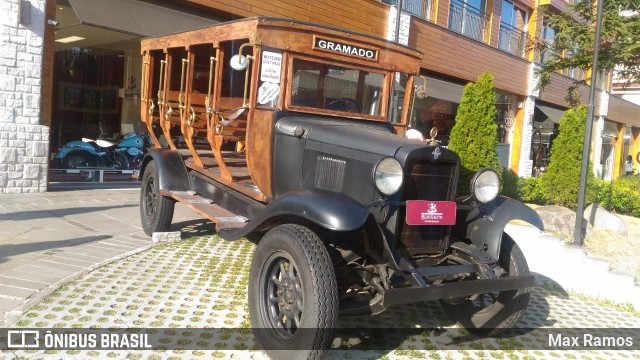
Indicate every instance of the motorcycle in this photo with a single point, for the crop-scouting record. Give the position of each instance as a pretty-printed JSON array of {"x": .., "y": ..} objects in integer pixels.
[{"x": 88, "y": 153}]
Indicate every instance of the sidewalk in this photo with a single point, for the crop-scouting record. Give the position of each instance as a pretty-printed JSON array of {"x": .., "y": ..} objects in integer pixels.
[{"x": 47, "y": 239}]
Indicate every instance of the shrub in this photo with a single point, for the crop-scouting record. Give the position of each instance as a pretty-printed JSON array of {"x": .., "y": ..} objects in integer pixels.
[
  {"x": 510, "y": 181},
  {"x": 625, "y": 195},
  {"x": 599, "y": 191},
  {"x": 529, "y": 190},
  {"x": 559, "y": 184},
  {"x": 474, "y": 136}
]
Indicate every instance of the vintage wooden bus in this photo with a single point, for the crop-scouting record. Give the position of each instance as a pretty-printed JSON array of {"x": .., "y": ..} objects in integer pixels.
[{"x": 293, "y": 135}]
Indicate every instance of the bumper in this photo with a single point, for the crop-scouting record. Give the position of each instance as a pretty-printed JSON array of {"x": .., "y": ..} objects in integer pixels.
[{"x": 393, "y": 297}]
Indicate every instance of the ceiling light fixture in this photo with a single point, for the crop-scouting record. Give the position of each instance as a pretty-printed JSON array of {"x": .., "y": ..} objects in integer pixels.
[{"x": 69, "y": 39}]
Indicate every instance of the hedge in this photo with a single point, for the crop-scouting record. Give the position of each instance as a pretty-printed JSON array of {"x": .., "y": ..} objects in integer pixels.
[{"x": 621, "y": 196}]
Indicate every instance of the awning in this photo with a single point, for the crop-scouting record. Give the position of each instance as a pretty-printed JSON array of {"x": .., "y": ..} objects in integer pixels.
[
  {"x": 444, "y": 90},
  {"x": 136, "y": 17},
  {"x": 553, "y": 114}
]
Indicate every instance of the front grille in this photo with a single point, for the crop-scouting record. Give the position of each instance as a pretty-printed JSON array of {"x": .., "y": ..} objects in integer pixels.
[
  {"x": 426, "y": 180},
  {"x": 330, "y": 173}
]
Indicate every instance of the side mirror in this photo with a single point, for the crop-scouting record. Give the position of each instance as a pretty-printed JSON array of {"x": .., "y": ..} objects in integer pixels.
[{"x": 239, "y": 62}]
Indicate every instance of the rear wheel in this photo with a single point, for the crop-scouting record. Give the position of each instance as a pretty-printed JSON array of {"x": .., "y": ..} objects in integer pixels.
[
  {"x": 491, "y": 314},
  {"x": 156, "y": 211},
  {"x": 293, "y": 297}
]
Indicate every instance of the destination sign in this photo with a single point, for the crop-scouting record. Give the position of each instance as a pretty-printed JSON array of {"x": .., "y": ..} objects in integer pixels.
[{"x": 345, "y": 49}]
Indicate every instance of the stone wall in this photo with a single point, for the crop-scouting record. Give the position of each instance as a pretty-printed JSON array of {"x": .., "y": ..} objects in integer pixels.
[{"x": 24, "y": 143}]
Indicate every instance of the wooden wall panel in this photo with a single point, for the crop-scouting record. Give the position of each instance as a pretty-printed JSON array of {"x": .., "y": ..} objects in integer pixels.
[
  {"x": 369, "y": 17},
  {"x": 494, "y": 22},
  {"x": 556, "y": 91},
  {"x": 529, "y": 4},
  {"x": 455, "y": 55},
  {"x": 442, "y": 17},
  {"x": 623, "y": 111}
]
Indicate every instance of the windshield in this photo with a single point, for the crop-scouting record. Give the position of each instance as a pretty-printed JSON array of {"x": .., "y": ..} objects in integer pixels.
[{"x": 331, "y": 87}]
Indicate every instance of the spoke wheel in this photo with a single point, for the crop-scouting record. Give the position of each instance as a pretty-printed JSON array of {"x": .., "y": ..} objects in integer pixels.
[
  {"x": 156, "y": 211},
  {"x": 492, "y": 313},
  {"x": 286, "y": 295},
  {"x": 293, "y": 296}
]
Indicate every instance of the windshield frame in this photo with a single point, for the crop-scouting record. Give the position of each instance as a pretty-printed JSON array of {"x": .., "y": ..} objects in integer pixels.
[{"x": 384, "y": 101}]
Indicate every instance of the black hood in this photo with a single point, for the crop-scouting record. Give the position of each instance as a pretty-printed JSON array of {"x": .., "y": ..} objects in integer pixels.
[{"x": 369, "y": 137}]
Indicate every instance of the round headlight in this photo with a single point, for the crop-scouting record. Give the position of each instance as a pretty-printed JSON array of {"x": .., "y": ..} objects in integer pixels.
[
  {"x": 388, "y": 176},
  {"x": 485, "y": 185}
]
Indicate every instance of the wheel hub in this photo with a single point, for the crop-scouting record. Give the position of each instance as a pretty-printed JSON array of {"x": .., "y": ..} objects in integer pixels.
[{"x": 286, "y": 301}]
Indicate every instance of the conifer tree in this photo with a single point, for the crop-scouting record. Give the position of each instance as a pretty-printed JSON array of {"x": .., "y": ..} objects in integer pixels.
[
  {"x": 474, "y": 136},
  {"x": 559, "y": 184}
]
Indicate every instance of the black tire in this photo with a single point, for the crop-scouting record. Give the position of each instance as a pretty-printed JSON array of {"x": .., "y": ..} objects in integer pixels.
[
  {"x": 503, "y": 309},
  {"x": 293, "y": 296},
  {"x": 78, "y": 159},
  {"x": 156, "y": 211}
]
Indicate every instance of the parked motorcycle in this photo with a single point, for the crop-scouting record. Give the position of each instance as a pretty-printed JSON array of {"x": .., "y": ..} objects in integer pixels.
[{"x": 123, "y": 155}]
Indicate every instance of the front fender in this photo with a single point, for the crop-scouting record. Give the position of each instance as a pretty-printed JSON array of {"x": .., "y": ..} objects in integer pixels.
[
  {"x": 484, "y": 224},
  {"x": 327, "y": 209}
]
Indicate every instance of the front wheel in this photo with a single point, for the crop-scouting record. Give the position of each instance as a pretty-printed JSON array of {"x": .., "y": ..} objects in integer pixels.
[
  {"x": 293, "y": 299},
  {"x": 491, "y": 314},
  {"x": 156, "y": 211},
  {"x": 78, "y": 160}
]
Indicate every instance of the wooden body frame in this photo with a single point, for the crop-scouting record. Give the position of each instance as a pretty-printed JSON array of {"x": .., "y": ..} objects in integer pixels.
[{"x": 295, "y": 40}]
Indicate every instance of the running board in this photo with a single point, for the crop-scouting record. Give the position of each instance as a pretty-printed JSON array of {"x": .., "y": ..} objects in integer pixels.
[{"x": 221, "y": 217}]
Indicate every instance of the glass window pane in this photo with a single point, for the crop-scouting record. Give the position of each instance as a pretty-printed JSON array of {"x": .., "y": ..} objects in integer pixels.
[{"x": 332, "y": 87}]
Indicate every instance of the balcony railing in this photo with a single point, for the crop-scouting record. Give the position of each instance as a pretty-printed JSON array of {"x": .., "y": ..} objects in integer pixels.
[
  {"x": 419, "y": 8},
  {"x": 512, "y": 40},
  {"x": 467, "y": 20}
]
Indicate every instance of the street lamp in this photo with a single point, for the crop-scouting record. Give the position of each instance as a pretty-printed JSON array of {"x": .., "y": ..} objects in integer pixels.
[{"x": 586, "y": 145}]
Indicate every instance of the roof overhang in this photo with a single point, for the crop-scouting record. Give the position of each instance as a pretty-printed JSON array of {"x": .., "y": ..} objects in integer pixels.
[{"x": 135, "y": 17}]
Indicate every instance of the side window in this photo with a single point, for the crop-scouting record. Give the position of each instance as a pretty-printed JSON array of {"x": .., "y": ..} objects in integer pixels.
[
  {"x": 201, "y": 68},
  {"x": 398, "y": 96},
  {"x": 175, "y": 79},
  {"x": 232, "y": 86}
]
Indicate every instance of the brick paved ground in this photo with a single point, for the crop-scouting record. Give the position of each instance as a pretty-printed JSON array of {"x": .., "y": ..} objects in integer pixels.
[{"x": 202, "y": 282}]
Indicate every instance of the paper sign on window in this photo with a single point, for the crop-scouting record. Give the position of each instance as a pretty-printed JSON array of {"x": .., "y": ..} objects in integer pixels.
[{"x": 271, "y": 67}]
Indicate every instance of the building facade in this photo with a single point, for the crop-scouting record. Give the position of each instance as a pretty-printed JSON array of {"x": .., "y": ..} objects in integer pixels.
[
  {"x": 24, "y": 139},
  {"x": 90, "y": 68}
]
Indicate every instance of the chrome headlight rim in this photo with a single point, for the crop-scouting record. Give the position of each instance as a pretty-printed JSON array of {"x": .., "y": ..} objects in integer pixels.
[
  {"x": 485, "y": 185},
  {"x": 386, "y": 167}
]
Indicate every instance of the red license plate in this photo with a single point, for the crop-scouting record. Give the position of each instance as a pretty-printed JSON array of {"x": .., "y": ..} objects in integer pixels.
[{"x": 424, "y": 212}]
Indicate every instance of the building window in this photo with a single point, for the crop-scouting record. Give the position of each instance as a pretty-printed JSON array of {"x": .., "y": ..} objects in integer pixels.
[
  {"x": 627, "y": 164},
  {"x": 419, "y": 8},
  {"x": 468, "y": 18},
  {"x": 505, "y": 115},
  {"x": 608, "y": 150},
  {"x": 548, "y": 36},
  {"x": 513, "y": 23},
  {"x": 434, "y": 113}
]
